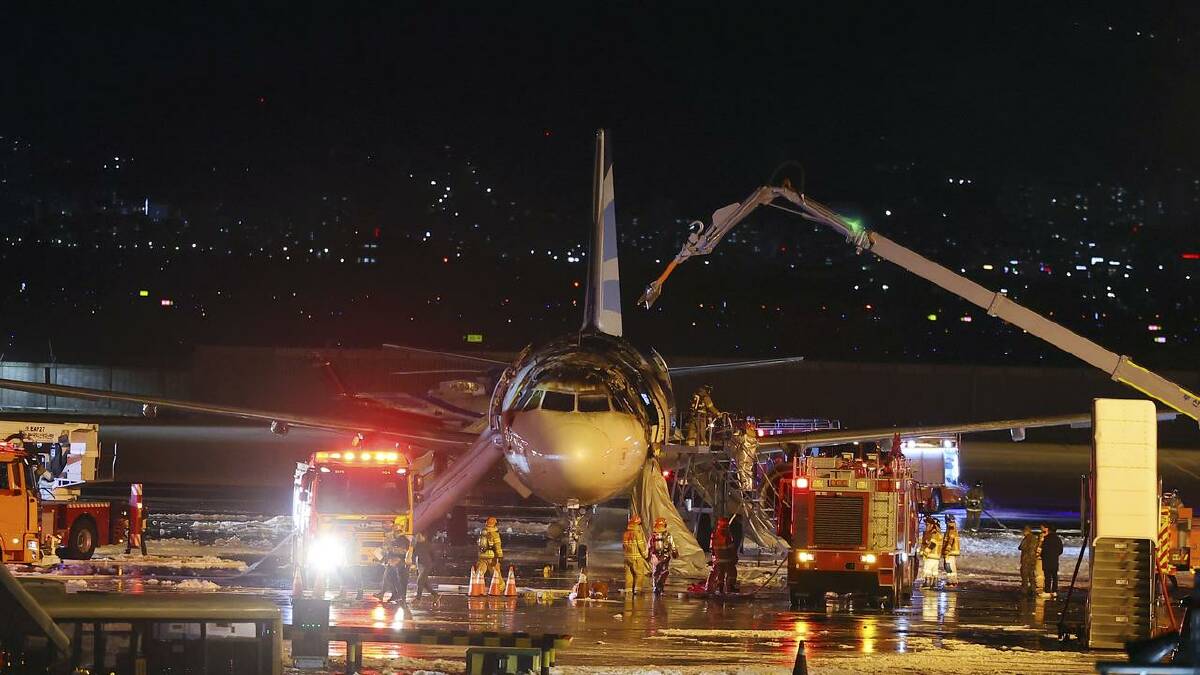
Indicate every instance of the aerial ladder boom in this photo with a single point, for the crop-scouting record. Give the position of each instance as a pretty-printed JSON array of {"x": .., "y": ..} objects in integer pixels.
[{"x": 703, "y": 239}]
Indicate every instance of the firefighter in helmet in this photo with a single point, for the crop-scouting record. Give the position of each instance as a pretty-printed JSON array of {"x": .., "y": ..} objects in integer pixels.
[
  {"x": 397, "y": 557},
  {"x": 491, "y": 553},
  {"x": 662, "y": 550},
  {"x": 702, "y": 411},
  {"x": 637, "y": 558},
  {"x": 723, "y": 578},
  {"x": 973, "y": 502}
]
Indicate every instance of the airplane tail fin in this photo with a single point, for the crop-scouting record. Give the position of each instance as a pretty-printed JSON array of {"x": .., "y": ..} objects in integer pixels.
[{"x": 602, "y": 304}]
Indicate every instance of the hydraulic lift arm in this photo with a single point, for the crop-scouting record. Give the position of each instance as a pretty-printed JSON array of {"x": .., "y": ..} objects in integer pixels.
[{"x": 705, "y": 238}]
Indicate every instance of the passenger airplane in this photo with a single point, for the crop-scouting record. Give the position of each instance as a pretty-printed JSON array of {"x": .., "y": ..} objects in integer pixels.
[{"x": 578, "y": 421}]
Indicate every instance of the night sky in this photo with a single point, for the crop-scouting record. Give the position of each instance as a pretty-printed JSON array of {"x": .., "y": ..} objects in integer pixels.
[
  {"x": 701, "y": 100},
  {"x": 242, "y": 114}
]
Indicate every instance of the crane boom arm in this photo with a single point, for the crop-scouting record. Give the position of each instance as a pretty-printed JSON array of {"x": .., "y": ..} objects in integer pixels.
[{"x": 704, "y": 240}]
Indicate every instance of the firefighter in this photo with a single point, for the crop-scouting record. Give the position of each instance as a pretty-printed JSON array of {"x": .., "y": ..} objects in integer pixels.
[
  {"x": 637, "y": 558},
  {"x": 931, "y": 553},
  {"x": 662, "y": 549},
  {"x": 973, "y": 502},
  {"x": 397, "y": 558},
  {"x": 724, "y": 560},
  {"x": 702, "y": 412},
  {"x": 1039, "y": 581},
  {"x": 423, "y": 555},
  {"x": 1052, "y": 548},
  {"x": 491, "y": 553},
  {"x": 950, "y": 552},
  {"x": 1029, "y": 560}
]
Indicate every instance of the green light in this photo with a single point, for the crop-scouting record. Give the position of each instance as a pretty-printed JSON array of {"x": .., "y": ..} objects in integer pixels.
[
  {"x": 855, "y": 224},
  {"x": 932, "y": 317},
  {"x": 144, "y": 294},
  {"x": 474, "y": 337}
]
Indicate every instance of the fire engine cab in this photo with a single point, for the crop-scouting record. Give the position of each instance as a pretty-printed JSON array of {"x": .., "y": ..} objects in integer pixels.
[
  {"x": 343, "y": 507},
  {"x": 851, "y": 518}
]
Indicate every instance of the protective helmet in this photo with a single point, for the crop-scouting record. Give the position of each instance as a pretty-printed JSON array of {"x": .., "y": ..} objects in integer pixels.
[
  {"x": 400, "y": 521},
  {"x": 491, "y": 521},
  {"x": 660, "y": 524},
  {"x": 951, "y": 524},
  {"x": 978, "y": 483},
  {"x": 635, "y": 519},
  {"x": 722, "y": 523}
]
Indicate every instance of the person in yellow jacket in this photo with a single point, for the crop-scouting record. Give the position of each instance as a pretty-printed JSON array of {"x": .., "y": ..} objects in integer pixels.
[
  {"x": 637, "y": 558},
  {"x": 950, "y": 552},
  {"x": 931, "y": 553},
  {"x": 491, "y": 552}
]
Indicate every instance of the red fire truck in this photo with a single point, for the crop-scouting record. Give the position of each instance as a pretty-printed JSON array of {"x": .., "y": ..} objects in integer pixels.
[
  {"x": 343, "y": 507},
  {"x": 852, "y": 524},
  {"x": 42, "y": 468}
]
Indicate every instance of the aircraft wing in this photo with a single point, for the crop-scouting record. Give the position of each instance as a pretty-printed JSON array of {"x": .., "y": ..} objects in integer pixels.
[
  {"x": 427, "y": 437},
  {"x": 734, "y": 365},
  {"x": 839, "y": 436},
  {"x": 453, "y": 355}
]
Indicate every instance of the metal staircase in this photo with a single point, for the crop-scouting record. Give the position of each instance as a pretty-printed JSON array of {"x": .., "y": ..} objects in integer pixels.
[{"x": 735, "y": 475}]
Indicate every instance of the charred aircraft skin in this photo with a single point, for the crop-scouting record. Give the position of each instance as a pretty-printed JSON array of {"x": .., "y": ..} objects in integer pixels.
[{"x": 580, "y": 415}]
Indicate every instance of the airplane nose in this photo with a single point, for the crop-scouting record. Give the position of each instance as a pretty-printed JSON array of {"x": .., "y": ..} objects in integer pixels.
[{"x": 574, "y": 460}]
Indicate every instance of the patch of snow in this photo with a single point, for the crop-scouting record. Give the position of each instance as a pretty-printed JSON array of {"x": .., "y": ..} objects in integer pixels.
[
  {"x": 201, "y": 562},
  {"x": 515, "y": 527}
]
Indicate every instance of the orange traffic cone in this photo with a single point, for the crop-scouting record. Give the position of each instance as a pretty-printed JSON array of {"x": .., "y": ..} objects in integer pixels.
[
  {"x": 510, "y": 588},
  {"x": 476, "y": 582},
  {"x": 496, "y": 588}
]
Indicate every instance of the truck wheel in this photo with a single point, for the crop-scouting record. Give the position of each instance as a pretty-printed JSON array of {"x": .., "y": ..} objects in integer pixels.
[
  {"x": 794, "y": 600},
  {"x": 81, "y": 541},
  {"x": 935, "y": 501},
  {"x": 887, "y": 600}
]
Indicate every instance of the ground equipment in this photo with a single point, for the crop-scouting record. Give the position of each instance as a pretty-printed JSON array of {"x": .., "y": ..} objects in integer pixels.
[
  {"x": 851, "y": 519},
  {"x": 344, "y": 505},
  {"x": 43, "y": 467},
  {"x": 703, "y": 239}
]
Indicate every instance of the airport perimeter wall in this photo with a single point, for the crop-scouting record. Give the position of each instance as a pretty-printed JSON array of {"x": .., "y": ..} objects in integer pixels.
[{"x": 858, "y": 394}]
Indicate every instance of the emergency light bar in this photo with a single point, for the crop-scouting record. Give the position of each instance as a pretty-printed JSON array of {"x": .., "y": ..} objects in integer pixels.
[{"x": 365, "y": 457}]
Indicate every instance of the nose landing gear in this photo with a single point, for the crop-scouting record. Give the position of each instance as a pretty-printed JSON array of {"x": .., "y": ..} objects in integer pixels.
[{"x": 571, "y": 549}]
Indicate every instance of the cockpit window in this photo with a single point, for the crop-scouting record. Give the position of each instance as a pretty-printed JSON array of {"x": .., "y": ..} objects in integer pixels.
[
  {"x": 532, "y": 400},
  {"x": 558, "y": 400},
  {"x": 593, "y": 403}
]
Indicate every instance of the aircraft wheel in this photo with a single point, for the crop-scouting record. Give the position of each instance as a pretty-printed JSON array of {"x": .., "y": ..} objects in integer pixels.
[
  {"x": 583, "y": 553},
  {"x": 562, "y": 557}
]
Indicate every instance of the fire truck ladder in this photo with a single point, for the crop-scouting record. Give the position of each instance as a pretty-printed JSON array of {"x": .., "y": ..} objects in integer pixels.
[{"x": 1121, "y": 368}]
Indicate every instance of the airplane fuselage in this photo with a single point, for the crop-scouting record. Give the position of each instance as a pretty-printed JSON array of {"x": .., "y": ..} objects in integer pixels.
[{"x": 580, "y": 415}]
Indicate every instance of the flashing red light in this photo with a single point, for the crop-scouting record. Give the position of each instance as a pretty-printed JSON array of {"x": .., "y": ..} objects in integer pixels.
[
  {"x": 666, "y": 473},
  {"x": 1190, "y": 256},
  {"x": 801, "y": 483}
]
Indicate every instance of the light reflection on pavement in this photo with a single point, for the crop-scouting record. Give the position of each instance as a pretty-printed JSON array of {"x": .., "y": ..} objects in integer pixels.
[{"x": 678, "y": 631}]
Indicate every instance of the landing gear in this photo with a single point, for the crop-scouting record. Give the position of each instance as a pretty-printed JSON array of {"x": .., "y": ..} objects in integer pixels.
[{"x": 571, "y": 550}]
